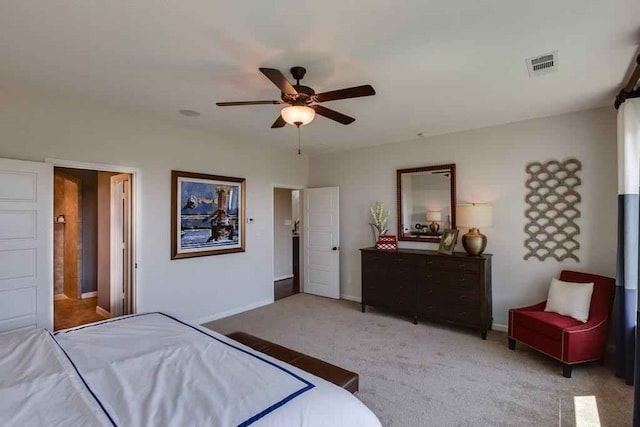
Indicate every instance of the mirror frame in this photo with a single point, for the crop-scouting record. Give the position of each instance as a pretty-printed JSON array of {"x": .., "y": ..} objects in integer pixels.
[{"x": 399, "y": 173}]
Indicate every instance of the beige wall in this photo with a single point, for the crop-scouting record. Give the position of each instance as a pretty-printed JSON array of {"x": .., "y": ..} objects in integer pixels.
[
  {"x": 39, "y": 125},
  {"x": 490, "y": 168},
  {"x": 282, "y": 236},
  {"x": 88, "y": 231},
  {"x": 34, "y": 126},
  {"x": 67, "y": 243}
]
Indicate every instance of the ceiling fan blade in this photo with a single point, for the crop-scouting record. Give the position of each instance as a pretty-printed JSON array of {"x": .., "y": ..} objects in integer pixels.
[
  {"x": 352, "y": 92},
  {"x": 230, "y": 104},
  {"x": 333, "y": 115},
  {"x": 279, "y": 80},
  {"x": 278, "y": 123}
]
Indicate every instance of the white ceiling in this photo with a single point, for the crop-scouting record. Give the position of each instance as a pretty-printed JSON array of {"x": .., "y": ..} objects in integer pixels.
[{"x": 437, "y": 66}]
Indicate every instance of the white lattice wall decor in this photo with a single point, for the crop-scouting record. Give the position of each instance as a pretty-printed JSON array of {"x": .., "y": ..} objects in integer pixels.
[{"x": 552, "y": 209}]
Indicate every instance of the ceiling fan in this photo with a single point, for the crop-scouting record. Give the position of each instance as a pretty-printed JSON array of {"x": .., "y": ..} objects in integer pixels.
[{"x": 303, "y": 100}]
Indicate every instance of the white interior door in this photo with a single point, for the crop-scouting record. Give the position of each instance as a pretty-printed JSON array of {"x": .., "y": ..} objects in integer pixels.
[
  {"x": 121, "y": 245},
  {"x": 26, "y": 245},
  {"x": 321, "y": 254}
]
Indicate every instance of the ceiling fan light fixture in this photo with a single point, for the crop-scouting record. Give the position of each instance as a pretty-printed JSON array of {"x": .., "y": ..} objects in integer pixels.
[
  {"x": 298, "y": 115},
  {"x": 299, "y": 97}
]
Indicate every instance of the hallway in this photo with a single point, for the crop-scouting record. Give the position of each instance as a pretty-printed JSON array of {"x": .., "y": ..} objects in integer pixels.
[{"x": 68, "y": 313}]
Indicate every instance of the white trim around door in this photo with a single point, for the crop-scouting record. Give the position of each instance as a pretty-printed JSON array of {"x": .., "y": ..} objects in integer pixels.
[{"x": 136, "y": 209}]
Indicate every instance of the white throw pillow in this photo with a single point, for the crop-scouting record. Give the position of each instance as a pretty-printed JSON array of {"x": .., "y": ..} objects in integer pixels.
[{"x": 570, "y": 299}]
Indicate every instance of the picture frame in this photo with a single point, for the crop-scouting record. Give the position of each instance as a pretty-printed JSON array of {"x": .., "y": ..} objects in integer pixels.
[
  {"x": 448, "y": 241},
  {"x": 207, "y": 215}
]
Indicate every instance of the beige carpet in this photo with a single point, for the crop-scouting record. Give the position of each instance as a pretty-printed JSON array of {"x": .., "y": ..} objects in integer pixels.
[{"x": 432, "y": 375}]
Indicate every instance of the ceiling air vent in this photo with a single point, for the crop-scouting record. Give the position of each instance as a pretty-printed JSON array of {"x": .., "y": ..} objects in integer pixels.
[{"x": 543, "y": 64}]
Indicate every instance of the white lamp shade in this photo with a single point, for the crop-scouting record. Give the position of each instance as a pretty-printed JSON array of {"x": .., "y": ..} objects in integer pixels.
[
  {"x": 298, "y": 114},
  {"x": 474, "y": 216},
  {"x": 434, "y": 216}
]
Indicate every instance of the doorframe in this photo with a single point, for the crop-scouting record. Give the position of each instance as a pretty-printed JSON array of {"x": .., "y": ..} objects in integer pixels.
[
  {"x": 273, "y": 235},
  {"x": 115, "y": 248},
  {"x": 136, "y": 211}
]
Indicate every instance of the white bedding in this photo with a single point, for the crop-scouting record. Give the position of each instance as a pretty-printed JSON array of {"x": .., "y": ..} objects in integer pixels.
[
  {"x": 154, "y": 370},
  {"x": 39, "y": 387}
]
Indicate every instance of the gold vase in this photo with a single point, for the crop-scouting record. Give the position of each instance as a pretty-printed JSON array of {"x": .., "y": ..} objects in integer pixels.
[
  {"x": 434, "y": 227},
  {"x": 474, "y": 242}
]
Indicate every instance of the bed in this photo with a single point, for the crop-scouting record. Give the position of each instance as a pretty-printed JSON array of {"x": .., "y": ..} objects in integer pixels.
[{"x": 153, "y": 369}]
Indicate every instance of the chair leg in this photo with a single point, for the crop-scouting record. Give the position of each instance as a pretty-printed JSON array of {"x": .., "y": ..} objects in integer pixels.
[
  {"x": 566, "y": 370},
  {"x": 512, "y": 344}
]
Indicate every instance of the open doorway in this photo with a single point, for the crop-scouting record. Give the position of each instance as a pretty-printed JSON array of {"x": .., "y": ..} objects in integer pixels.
[
  {"x": 93, "y": 254},
  {"x": 286, "y": 242}
]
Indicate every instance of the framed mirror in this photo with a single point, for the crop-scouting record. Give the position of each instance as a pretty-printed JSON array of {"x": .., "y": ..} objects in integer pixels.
[{"x": 426, "y": 202}]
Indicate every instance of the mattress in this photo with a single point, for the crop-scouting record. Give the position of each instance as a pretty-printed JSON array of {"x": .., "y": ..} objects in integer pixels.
[{"x": 152, "y": 369}]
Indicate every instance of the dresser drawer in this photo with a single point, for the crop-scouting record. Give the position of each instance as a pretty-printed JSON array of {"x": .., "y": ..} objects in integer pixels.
[
  {"x": 390, "y": 286},
  {"x": 463, "y": 298},
  {"x": 469, "y": 316},
  {"x": 411, "y": 261},
  {"x": 396, "y": 269},
  {"x": 382, "y": 284},
  {"x": 463, "y": 315},
  {"x": 400, "y": 299},
  {"x": 455, "y": 264},
  {"x": 450, "y": 280},
  {"x": 448, "y": 293},
  {"x": 393, "y": 259},
  {"x": 393, "y": 275}
]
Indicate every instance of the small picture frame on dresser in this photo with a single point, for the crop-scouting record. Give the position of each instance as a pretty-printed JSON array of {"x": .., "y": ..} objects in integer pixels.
[{"x": 448, "y": 241}]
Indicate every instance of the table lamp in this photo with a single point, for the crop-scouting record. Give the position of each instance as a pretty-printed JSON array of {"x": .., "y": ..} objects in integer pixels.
[
  {"x": 434, "y": 217},
  {"x": 474, "y": 216}
]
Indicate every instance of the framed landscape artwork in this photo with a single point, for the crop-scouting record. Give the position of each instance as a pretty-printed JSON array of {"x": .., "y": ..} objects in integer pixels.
[{"x": 207, "y": 214}]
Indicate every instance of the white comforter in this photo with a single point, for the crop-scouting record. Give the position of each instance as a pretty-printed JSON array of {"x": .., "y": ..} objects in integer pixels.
[{"x": 153, "y": 370}]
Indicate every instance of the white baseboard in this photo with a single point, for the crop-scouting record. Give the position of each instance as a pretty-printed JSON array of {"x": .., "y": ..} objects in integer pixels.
[
  {"x": 350, "y": 298},
  {"x": 233, "y": 311},
  {"x": 102, "y": 312},
  {"x": 89, "y": 294},
  {"x": 500, "y": 328},
  {"x": 287, "y": 276},
  {"x": 60, "y": 297}
]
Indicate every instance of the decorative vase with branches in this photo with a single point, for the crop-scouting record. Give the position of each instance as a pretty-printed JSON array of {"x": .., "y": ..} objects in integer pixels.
[{"x": 379, "y": 217}]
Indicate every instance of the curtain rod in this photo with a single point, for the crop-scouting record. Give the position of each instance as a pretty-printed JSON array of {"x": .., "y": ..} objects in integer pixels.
[{"x": 628, "y": 91}]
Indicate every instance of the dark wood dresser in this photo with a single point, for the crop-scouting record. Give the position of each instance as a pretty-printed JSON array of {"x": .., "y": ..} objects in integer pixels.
[{"x": 424, "y": 284}]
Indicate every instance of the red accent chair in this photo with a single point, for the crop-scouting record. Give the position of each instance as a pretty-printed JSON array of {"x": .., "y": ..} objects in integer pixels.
[{"x": 562, "y": 337}]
